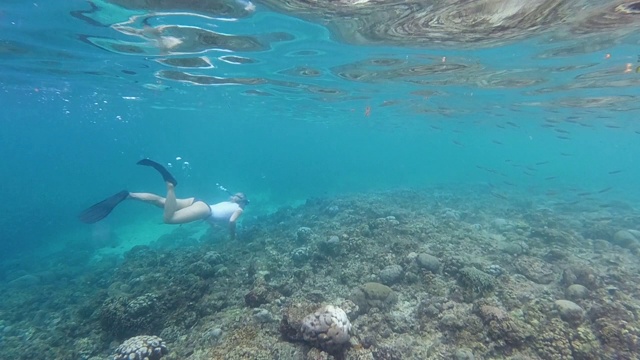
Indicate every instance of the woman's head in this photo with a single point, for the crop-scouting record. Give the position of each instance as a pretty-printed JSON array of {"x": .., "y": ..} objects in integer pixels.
[{"x": 239, "y": 198}]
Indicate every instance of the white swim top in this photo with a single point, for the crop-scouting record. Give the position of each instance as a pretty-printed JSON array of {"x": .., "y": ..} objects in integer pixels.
[{"x": 222, "y": 211}]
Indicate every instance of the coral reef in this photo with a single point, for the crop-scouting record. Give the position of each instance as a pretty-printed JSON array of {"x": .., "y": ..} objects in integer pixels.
[{"x": 395, "y": 275}]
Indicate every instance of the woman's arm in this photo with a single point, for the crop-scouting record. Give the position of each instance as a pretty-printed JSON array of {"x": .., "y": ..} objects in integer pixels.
[{"x": 232, "y": 223}]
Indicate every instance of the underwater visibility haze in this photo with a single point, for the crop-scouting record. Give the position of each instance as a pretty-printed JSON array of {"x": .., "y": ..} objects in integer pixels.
[{"x": 427, "y": 179}]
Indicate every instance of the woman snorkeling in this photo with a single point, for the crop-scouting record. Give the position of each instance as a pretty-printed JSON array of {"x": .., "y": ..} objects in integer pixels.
[{"x": 176, "y": 211}]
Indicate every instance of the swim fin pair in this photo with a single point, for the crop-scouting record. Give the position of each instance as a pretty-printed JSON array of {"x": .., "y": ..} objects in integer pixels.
[{"x": 100, "y": 210}]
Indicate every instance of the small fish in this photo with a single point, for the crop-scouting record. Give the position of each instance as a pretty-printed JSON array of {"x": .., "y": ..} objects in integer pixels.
[
  {"x": 610, "y": 126},
  {"x": 367, "y": 111},
  {"x": 500, "y": 126},
  {"x": 550, "y": 177},
  {"x": 496, "y": 142},
  {"x": 512, "y": 124},
  {"x": 435, "y": 127},
  {"x": 542, "y": 163},
  {"x": 561, "y": 131},
  {"x": 605, "y": 190},
  {"x": 457, "y": 142},
  {"x": 499, "y": 196},
  {"x": 389, "y": 103},
  {"x": 584, "y": 194},
  {"x": 615, "y": 172},
  {"x": 566, "y": 154},
  {"x": 563, "y": 137}
]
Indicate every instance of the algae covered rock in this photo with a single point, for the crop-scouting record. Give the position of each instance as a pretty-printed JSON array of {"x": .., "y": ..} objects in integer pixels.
[
  {"x": 577, "y": 291},
  {"x": 583, "y": 275},
  {"x": 293, "y": 316},
  {"x": 536, "y": 270},
  {"x": 261, "y": 293},
  {"x": 428, "y": 262},
  {"x": 391, "y": 274},
  {"x": 626, "y": 239},
  {"x": 304, "y": 235},
  {"x": 463, "y": 354},
  {"x": 513, "y": 248},
  {"x": 500, "y": 326},
  {"x": 124, "y": 317},
  {"x": 331, "y": 246},
  {"x": 212, "y": 258},
  {"x": 569, "y": 311},
  {"x": 375, "y": 295},
  {"x": 24, "y": 281},
  {"x": 202, "y": 269}
]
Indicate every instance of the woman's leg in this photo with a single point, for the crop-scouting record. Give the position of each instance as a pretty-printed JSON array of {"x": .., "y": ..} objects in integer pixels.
[
  {"x": 158, "y": 200},
  {"x": 174, "y": 215},
  {"x": 176, "y": 211},
  {"x": 170, "y": 202}
]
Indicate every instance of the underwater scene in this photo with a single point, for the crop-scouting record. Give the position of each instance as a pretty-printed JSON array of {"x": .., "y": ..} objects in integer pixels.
[{"x": 316, "y": 180}]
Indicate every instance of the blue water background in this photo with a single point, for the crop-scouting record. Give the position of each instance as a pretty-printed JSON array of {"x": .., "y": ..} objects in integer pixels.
[{"x": 74, "y": 124}]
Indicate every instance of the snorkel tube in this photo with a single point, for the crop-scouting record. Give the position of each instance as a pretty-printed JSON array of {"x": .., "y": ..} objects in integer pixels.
[{"x": 230, "y": 193}]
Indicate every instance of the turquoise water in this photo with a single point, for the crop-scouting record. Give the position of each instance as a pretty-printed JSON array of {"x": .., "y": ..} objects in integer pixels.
[
  {"x": 292, "y": 114},
  {"x": 466, "y": 169}
]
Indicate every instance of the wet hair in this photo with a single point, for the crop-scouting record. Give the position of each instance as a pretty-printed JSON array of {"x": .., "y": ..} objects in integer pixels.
[{"x": 242, "y": 198}]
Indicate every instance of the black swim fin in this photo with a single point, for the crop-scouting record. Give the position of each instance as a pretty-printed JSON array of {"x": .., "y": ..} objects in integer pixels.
[
  {"x": 166, "y": 175},
  {"x": 100, "y": 210}
]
